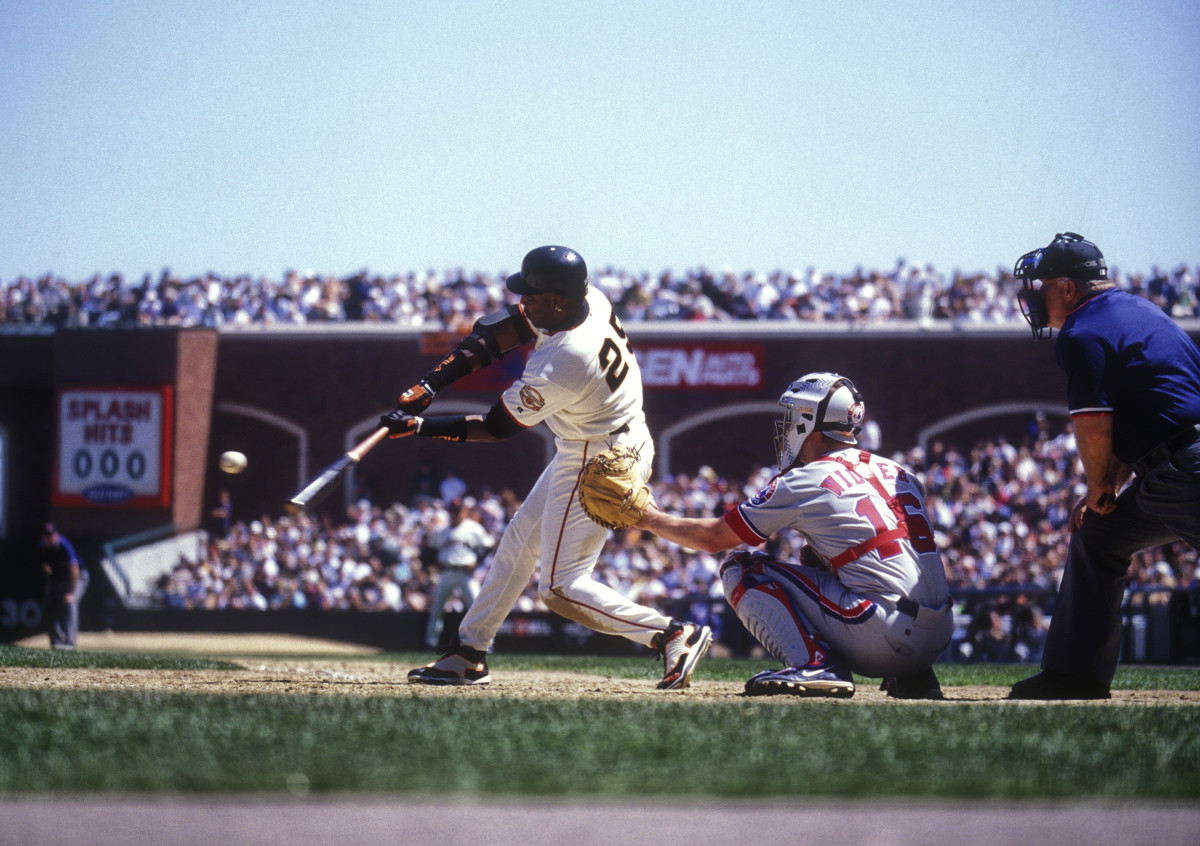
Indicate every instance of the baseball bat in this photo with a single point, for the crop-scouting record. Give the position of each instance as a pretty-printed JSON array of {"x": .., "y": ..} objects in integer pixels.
[{"x": 320, "y": 487}]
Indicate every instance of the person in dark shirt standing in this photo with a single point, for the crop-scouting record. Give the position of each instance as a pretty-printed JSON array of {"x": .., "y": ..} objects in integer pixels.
[
  {"x": 66, "y": 582},
  {"x": 1133, "y": 393}
]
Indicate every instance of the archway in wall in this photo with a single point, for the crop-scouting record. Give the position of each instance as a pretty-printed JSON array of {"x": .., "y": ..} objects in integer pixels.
[
  {"x": 733, "y": 438},
  {"x": 1009, "y": 419},
  {"x": 277, "y": 449},
  {"x": 744, "y": 433}
]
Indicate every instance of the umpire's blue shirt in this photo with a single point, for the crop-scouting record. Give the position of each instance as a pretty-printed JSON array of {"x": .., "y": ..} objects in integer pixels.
[{"x": 1124, "y": 356}]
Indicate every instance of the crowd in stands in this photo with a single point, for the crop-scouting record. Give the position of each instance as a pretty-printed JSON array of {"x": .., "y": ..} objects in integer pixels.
[
  {"x": 1000, "y": 513},
  {"x": 452, "y": 298}
]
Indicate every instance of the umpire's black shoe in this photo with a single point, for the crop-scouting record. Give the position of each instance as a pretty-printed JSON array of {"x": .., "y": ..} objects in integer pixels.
[
  {"x": 1051, "y": 684},
  {"x": 920, "y": 685}
]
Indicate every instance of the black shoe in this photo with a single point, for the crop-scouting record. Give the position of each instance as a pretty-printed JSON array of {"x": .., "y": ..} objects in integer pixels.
[
  {"x": 828, "y": 679},
  {"x": 1051, "y": 684},
  {"x": 919, "y": 685},
  {"x": 463, "y": 666}
]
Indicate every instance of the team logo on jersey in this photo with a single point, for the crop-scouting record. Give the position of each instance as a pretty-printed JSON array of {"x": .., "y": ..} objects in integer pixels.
[
  {"x": 765, "y": 494},
  {"x": 531, "y": 399}
]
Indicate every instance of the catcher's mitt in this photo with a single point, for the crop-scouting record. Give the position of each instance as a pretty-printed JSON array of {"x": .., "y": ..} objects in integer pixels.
[{"x": 611, "y": 491}]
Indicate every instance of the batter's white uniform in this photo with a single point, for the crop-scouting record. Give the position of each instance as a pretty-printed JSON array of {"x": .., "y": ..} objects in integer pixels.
[
  {"x": 881, "y": 604},
  {"x": 585, "y": 385}
]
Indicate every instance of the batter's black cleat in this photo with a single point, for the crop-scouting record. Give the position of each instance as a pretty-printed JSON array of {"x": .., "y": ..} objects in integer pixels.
[
  {"x": 920, "y": 685},
  {"x": 824, "y": 680},
  {"x": 462, "y": 666},
  {"x": 681, "y": 647},
  {"x": 1053, "y": 685}
]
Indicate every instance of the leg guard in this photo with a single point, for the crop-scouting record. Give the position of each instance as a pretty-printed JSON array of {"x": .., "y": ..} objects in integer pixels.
[{"x": 765, "y": 610}]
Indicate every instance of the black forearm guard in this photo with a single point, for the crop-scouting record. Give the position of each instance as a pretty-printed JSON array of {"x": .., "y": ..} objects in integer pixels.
[
  {"x": 447, "y": 427},
  {"x": 451, "y": 368}
]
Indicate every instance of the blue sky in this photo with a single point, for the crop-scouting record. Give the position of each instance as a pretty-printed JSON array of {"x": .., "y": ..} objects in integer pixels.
[{"x": 252, "y": 137}]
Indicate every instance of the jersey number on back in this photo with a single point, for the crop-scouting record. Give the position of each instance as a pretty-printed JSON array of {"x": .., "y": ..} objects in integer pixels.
[
  {"x": 615, "y": 367},
  {"x": 920, "y": 533}
]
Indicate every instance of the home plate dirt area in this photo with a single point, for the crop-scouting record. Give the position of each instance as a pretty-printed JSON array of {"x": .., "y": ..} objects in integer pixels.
[{"x": 342, "y": 669}]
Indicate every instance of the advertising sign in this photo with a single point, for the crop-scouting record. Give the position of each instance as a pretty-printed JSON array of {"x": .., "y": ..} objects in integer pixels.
[
  {"x": 114, "y": 447},
  {"x": 706, "y": 366}
]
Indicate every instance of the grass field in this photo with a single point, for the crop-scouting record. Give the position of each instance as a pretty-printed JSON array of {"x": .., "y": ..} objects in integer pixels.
[{"x": 131, "y": 737}]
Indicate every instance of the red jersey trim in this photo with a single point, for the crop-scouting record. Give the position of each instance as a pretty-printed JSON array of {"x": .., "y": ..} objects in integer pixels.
[{"x": 742, "y": 529}]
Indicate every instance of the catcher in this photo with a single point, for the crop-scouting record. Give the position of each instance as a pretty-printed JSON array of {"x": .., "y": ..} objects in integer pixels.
[
  {"x": 583, "y": 382},
  {"x": 869, "y": 596}
]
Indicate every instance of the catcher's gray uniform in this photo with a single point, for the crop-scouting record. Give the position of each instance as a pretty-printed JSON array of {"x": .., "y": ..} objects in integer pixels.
[{"x": 879, "y": 601}]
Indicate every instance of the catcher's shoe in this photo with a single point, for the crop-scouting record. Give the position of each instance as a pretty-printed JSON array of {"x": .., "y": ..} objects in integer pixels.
[
  {"x": 919, "y": 685},
  {"x": 822, "y": 680},
  {"x": 681, "y": 647},
  {"x": 462, "y": 666}
]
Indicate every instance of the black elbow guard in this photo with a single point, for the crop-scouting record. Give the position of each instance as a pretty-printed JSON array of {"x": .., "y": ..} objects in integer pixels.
[
  {"x": 480, "y": 349},
  {"x": 499, "y": 423},
  {"x": 495, "y": 334}
]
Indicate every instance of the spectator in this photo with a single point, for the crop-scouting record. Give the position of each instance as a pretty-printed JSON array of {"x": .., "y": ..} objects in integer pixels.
[
  {"x": 452, "y": 488},
  {"x": 1028, "y": 632},
  {"x": 221, "y": 514},
  {"x": 453, "y": 298},
  {"x": 460, "y": 547}
]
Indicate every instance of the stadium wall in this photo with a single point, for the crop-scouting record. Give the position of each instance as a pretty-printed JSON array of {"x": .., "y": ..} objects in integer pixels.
[{"x": 294, "y": 399}]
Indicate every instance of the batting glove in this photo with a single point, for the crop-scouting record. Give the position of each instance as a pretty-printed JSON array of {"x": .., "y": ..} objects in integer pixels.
[
  {"x": 400, "y": 424},
  {"x": 416, "y": 399}
]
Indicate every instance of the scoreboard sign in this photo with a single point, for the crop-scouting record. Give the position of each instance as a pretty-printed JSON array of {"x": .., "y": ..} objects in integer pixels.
[{"x": 114, "y": 447}]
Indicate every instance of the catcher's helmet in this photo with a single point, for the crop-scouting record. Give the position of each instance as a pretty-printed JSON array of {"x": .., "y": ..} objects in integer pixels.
[
  {"x": 551, "y": 269},
  {"x": 818, "y": 402}
]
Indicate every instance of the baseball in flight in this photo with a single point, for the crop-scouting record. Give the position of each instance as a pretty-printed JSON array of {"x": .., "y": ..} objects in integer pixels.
[{"x": 232, "y": 461}]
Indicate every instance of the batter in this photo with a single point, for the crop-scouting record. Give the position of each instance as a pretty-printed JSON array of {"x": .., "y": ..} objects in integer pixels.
[{"x": 582, "y": 380}]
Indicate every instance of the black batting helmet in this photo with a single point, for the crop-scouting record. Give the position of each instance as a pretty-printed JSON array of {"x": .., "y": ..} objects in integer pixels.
[{"x": 558, "y": 270}]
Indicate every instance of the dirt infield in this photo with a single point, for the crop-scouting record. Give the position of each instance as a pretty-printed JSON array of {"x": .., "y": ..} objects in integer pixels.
[{"x": 339, "y": 669}]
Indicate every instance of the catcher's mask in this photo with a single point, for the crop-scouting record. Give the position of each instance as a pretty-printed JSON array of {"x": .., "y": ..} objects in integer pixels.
[
  {"x": 1070, "y": 255},
  {"x": 818, "y": 402}
]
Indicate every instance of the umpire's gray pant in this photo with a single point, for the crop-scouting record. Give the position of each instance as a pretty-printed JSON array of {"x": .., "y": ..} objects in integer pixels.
[
  {"x": 64, "y": 616},
  {"x": 1162, "y": 507}
]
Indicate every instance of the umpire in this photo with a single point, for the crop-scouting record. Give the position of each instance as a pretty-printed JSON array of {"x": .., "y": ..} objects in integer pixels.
[
  {"x": 1133, "y": 393},
  {"x": 66, "y": 581}
]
